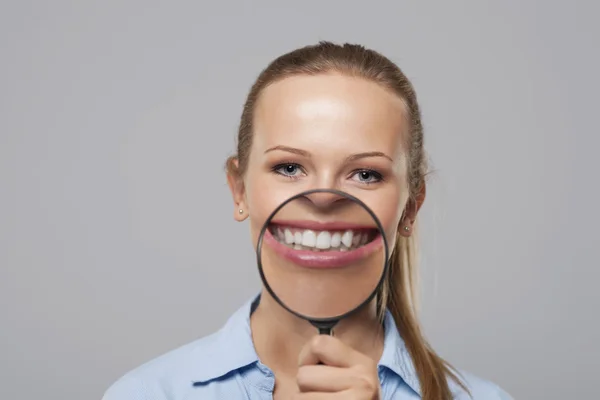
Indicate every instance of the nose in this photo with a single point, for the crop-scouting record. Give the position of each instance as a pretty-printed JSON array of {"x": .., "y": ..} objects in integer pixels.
[{"x": 325, "y": 199}]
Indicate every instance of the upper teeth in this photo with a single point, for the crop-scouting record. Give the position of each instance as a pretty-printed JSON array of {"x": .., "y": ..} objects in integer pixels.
[{"x": 321, "y": 240}]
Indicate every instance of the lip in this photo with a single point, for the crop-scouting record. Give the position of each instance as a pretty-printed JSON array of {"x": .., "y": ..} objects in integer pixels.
[
  {"x": 323, "y": 226},
  {"x": 322, "y": 259}
]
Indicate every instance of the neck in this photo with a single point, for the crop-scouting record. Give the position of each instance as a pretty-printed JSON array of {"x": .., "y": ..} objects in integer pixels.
[{"x": 279, "y": 336}]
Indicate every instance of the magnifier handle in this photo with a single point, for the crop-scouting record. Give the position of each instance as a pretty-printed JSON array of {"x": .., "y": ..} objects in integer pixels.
[
  {"x": 324, "y": 327},
  {"x": 325, "y": 331}
]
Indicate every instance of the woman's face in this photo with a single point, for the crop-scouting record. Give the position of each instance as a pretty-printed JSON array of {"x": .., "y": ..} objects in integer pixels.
[{"x": 325, "y": 132}]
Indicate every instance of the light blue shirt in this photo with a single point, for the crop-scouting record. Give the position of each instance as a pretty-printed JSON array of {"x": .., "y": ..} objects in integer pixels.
[{"x": 225, "y": 366}]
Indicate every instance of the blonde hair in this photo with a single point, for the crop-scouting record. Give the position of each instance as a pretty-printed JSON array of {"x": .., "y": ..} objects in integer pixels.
[{"x": 399, "y": 292}]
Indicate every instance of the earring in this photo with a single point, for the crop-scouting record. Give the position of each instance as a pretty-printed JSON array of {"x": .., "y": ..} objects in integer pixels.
[
  {"x": 406, "y": 228},
  {"x": 241, "y": 211}
]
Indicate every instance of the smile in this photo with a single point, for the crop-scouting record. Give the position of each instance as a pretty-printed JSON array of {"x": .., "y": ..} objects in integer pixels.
[{"x": 319, "y": 245}]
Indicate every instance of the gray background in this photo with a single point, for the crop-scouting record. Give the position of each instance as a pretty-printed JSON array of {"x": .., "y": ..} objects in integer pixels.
[{"x": 117, "y": 241}]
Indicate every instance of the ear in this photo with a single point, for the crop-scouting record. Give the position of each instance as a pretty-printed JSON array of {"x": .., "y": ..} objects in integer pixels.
[
  {"x": 413, "y": 206},
  {"x": 237, "y": 188}
]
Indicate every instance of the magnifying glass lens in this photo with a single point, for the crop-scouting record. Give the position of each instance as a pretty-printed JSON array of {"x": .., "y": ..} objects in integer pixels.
[{"x": 322, "y": 255}]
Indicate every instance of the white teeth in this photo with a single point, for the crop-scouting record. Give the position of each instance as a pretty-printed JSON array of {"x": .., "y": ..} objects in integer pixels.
[
  {"x": 289, "y": 236},
  {"x": 309, "y": 238},
  {"x": 320, "y": 241},
  {"x": 347, "y": 238},
  {"x": 336, "y": 239},
  {"x": 323, "y": 240}
]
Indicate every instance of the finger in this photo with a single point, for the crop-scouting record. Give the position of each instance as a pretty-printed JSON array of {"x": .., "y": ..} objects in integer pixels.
[
  {"x": 331, "y": 351},
  {"x": 323, "y": 378}
]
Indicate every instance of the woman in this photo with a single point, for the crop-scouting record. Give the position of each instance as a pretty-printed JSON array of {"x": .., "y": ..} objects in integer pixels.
[{"x": 306, "y": 117}]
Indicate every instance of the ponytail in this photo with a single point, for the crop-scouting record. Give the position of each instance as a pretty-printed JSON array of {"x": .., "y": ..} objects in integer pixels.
[{"x": 399, "y": 295}]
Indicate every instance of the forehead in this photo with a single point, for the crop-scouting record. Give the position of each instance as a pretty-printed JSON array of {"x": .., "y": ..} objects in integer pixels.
[{"x": 330, "y": 112}]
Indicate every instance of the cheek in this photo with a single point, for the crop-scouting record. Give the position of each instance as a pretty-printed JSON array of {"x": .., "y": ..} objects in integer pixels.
[
  {"x": 262, "y": 198},
  {"x": 390, "y": 219},
  {"x": 258, "y": 208},
  {"x": 389, "y": 210}
]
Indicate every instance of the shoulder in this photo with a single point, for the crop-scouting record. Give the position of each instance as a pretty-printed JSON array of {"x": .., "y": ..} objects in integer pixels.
[
  {"x": 479, "y": 388},
  {"x": 174, "y": 374},
  {"x": 165, "y": 377}
]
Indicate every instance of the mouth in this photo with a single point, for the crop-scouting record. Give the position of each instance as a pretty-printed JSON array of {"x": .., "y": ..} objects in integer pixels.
[{"x": 319, "y": 245}]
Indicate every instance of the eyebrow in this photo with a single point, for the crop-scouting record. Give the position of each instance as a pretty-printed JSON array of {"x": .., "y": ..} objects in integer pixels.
[{"x": 350, "y": 158}]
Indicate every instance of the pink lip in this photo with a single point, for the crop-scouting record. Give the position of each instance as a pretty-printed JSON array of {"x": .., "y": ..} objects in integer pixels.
[
  {"x": 323, "y": 226},
  {"x": 322, "y": 259}
]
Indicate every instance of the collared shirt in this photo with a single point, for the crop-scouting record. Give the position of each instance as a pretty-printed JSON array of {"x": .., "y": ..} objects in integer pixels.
[{"x": 225, "y": 365}]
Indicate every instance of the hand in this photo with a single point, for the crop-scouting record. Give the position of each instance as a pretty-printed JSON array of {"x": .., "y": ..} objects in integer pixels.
[{"x": 344, "y": 373}]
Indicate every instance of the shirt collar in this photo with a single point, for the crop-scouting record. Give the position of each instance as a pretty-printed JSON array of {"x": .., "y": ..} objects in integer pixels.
[{"x": 231, "y": 348}]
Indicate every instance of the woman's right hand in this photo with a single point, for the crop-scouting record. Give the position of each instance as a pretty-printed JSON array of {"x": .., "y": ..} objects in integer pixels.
[{"x": 344, "y": 373}]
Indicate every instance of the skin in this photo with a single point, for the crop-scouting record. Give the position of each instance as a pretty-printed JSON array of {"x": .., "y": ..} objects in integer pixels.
[{"x": 305, "y": 130}]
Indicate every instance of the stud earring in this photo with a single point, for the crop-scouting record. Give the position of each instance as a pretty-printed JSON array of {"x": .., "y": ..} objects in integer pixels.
[
  {"x": 241, "y": 211},
  {"x": 406, "y": 228}
]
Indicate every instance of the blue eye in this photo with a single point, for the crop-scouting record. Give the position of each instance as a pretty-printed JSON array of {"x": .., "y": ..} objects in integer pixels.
[
  {"x": 368, "y": 176},
  {"x": 289, "y": 170}
]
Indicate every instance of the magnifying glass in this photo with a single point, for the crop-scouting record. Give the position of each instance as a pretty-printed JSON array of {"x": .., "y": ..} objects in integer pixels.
[{"x": 322, "y": 255}]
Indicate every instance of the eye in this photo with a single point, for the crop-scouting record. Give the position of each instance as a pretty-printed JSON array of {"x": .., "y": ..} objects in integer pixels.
[
  {"x": 290, "y": 170},
  {"x": 368, "y": 176}
]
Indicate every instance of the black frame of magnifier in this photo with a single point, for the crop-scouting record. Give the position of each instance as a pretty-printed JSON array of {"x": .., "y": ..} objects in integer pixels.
[{"x": 324, "y": 325}]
